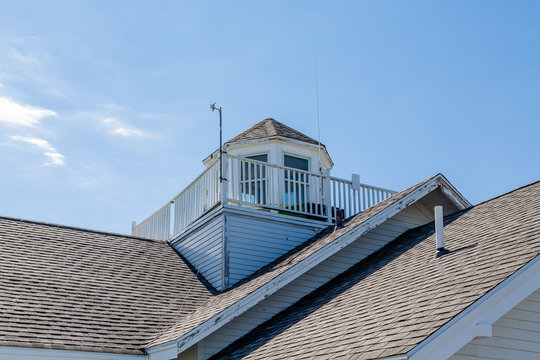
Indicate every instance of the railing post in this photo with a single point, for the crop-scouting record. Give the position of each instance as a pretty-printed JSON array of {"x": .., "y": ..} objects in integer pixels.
[
  {"x": 224, "y": 181},
  {"x": 327, "y": 196}
]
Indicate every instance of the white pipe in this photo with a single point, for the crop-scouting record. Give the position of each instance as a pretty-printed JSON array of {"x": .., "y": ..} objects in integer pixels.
[{"x": 439, "y": 227}]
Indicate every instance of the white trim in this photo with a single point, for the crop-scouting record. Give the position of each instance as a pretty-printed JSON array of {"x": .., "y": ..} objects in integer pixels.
[
  {"x": 217, "y": 321},
  {"x": 449, "y": 190},
  {"x": 459, "y": 331},
  {"x": 203, "y": 220},
  {"x": 166, "y": 351},
  {"x": 275, "y": 217},
  {"x": 272, "y": 139},
  {"x": 24, "y": 353}
]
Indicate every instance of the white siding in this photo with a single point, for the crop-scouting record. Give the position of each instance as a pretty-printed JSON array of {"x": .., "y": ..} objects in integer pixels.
[
  {"x": 254, "y": 241},
  {"x": 516, "y": 335},
  {"x": 375, "y": 239},
  {"x": 202, "y": 248}
]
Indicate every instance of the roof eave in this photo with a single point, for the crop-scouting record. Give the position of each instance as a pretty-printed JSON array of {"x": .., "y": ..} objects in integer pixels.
[
  {"x": 464, "y": 327},
  {"x": 217, "y": 321}
]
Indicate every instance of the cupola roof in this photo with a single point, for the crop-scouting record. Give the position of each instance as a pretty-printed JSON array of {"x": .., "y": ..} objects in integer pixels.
[{"x": 271, "y": 128}]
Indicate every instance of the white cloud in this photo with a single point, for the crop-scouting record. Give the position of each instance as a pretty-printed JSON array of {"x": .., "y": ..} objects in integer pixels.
[
  {"x": 117, "y": 128},
  {"x": 55, "y": 158},
  {"x": 15, "y": 114}
]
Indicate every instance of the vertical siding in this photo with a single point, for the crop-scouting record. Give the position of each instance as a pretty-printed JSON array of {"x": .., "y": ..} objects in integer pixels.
[
  {"x": 372, "y": 241},
  {"x": 255, "y": 241},
  {"x": 516, "y": 335},
  {"x": 202, "y": 248}
]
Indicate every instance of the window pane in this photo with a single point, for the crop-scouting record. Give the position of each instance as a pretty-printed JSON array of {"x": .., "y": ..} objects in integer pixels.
[
  {"x": 297, "y": 163},
  {"x": 263, "y": 157}
]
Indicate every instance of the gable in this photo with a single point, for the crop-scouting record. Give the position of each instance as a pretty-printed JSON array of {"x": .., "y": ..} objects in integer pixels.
[
  {"x": 227, "y": 306},
  {"x": 402, "y": 295},
  {"x": 516, "y": 335}
]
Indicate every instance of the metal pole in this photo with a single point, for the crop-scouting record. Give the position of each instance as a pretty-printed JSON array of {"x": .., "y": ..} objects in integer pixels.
[{"x": 220, "y": 147}]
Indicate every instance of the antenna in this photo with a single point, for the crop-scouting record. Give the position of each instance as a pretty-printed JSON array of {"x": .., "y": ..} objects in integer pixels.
[{"x": 318, "y": 119}]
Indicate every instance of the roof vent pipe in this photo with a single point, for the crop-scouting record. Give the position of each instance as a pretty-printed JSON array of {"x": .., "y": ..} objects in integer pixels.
[{"x": 439, "y": 226}]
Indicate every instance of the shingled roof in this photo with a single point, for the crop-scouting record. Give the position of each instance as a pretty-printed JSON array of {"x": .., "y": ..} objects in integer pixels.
[
  {"x": 217, "y": 304},
  {"x": 271, "y": 128},
  {"x": 393, "y": 300},
  {"x": 76, "y": 289}
]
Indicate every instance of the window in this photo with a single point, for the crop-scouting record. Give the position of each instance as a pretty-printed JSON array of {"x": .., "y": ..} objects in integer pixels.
[
  {"x": 296, "y": 183},
  {"x": 253, "y": 180},
  {"x": 296, "y": 162}
]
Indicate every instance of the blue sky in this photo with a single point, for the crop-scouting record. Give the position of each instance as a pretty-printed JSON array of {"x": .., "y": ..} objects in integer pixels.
[{"x": 104, "y": 105}]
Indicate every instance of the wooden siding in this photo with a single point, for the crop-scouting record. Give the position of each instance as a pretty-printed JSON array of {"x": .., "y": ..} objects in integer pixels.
[
  {"x": 202, "y": 248},
  {"x": 254, "y": 241},
  {"x": 409, "y": 218},
  {"x": 516, "y": 335}
]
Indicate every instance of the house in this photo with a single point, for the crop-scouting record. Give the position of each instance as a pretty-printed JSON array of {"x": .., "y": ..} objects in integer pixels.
[{"x": 267, "y": 256}]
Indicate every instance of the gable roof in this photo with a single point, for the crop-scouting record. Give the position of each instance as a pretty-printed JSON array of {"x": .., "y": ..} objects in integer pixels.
[
  {"x": 221, "y": 308},
  {"x": 271, "y": 128},
  {"x": 76, "y": 289},
  {"x": 392, "y": 301}
]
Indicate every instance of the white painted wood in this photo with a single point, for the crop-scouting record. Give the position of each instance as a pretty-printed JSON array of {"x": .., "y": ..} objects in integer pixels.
[
  {"x": 516, "y": 335},
  {"x": 261, "y": 185},
  {"x": 166, "y": 351},
  {"x": 22, "y": 353},
  {"x": 439, "y": 227},
  {"x": 202, "y": 247},
  {"x": 255, "y": 242},
  {"x": 314, "y": 278}
]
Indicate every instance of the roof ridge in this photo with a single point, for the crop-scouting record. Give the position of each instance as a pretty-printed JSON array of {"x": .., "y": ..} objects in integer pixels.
[
  {"x": 51, "y": 224},
  {"x": 508, "y": 192},
  {"x": 363, "y": 269}
]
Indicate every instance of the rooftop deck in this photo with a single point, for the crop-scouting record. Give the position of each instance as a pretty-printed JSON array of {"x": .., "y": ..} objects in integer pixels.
[{"x": 259, "y": 185}]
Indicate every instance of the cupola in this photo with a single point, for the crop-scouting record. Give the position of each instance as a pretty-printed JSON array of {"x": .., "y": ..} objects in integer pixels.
[
  {"x": 276, "y": 143},
  {"x": 270, "y": 191}
]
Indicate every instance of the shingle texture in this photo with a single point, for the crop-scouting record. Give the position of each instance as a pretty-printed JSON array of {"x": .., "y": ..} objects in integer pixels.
[
  {"x": 394, "y": 299},
  {"x": 221, "y": 302},
  {"x": 271, "y": 128},
  {"x": 75, "y": 289}
]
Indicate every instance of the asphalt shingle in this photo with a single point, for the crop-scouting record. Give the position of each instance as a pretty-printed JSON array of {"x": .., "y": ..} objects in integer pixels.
[
  {"x": 76, "y": 289},
  {"x": 222, "y": 301},
  {"x": 271, "y": 128},
  {"x": 394, "y": 299}
]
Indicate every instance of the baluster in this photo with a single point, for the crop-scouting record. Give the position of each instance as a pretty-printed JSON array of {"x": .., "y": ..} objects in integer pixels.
[
  {"x": 349, "y": 195},
  {"x": 257, "y": 184},
  {"x": 291, "y": 190}
]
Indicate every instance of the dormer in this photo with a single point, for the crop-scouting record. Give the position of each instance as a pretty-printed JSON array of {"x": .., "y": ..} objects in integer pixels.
[{"x": 276, "y": 143}]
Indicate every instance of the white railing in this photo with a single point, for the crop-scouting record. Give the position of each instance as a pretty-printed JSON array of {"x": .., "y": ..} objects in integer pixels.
[
  {"x": 255, "y": 184},
  {"x": 201, "y": 195},
  {"x": 354, "y": 199},
  {"x": 263, "y": 185},
  {"x": 260, "y": 184}
]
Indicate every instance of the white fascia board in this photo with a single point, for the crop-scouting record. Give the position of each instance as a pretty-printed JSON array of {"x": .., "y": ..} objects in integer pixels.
[
  {"x": 165, "y": 351},
  {"x": 244, "y": 304},
  {"x": 274, "y": 217},
  {"x": 485, "y": 311},
  {"x": 23, "y": 353},
  {"x": 453, "y": 194},
  {"x": 286, "y": 140}
]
